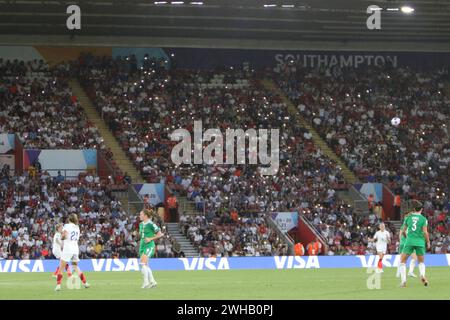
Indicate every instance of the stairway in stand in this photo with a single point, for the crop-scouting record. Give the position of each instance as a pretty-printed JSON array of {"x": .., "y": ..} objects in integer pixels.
[
  {"x": 349, "y": 176},
  {"x": 124, "y": 163},
  {"x": 186, "y": 206},
  {"x": 186, "y": 246}
]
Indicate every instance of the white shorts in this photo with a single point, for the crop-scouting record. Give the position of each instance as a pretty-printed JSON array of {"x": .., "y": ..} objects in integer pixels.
[
  {"x": 70, "y": 256},
  {"x": 382, "y": 249},
  {"x": 57, "y": 254}
]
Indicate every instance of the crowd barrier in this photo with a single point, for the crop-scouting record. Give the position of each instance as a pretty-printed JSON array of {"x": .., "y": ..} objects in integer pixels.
[{"x": 231, "y": 263}]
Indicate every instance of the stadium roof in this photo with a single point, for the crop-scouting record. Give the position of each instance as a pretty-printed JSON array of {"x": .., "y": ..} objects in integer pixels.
[{"x": 283, "y": 21}]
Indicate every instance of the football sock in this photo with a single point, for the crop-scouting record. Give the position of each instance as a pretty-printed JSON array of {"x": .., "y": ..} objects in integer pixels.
[
  {"x": 412, "y": 264},
  {"x": 150, "y": 275},
  {"x": 59, "y": 279},
  {"x": 144, "y": 273},
  {"x": 422, "y": 269},
  {"x": 403, "y": 272},
  {"x": 380, "y": 264},
  {"x": 82, "y": 277}
]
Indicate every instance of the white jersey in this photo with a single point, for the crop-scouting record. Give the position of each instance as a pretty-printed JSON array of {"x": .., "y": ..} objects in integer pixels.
[
  {"x": 70, "y": 244},
  {"x": 382, "y": 238}
]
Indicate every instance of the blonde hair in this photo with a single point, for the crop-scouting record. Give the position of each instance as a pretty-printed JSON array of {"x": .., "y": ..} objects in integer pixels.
[{"x": 73, "y": 218}]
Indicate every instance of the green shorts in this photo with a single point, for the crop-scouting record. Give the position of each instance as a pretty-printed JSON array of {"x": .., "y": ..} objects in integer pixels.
[
  {"x": 408, "y": 249},
  {"x": 147, "y": 249},
  {"x": 402, "y": 248}
]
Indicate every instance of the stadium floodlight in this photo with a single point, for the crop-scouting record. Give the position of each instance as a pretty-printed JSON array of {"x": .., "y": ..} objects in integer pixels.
[
  {"x": 392, "y": 9},
  {"x": 287, "y": 6},
  {"x": 407, "y": 9},
  {"x": 197, "y": 3},
  {"x": 269, "y": 5},
  {"x": 177, "y": 2},
  {"x": 160, "y": 2}
]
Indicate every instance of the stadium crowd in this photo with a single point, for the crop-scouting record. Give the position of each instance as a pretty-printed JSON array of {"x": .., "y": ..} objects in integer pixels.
[
  {"x": 133, "y": 102},
  {"x": 144, "y": 103},
  {"x": 38, "y": 105},
  {"x": 32, "y": 204},
  {"x": 227, "y": 236},
  {"x": 144, "y": 106},
  {"x": 352, "y": 109}
]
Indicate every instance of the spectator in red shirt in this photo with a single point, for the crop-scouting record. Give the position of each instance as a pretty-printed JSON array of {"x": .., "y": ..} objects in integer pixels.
[{"x": 44, "y": 253}]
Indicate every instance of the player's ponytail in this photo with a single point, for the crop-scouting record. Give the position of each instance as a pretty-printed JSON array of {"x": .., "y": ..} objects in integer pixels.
[{"x": 73, "y": 218}]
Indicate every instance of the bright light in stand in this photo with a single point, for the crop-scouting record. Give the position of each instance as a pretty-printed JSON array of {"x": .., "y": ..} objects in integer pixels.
[
  {"x": 288, "y": 6},
  {"x": 197, "y": 3},
  {"x": 177, "y": 2},
  {"x": 392, "y": 9},
  {"x": 407, "y": 9},
  {"x": 269, "y": 5},
  {"x": 160, "y": 2}
]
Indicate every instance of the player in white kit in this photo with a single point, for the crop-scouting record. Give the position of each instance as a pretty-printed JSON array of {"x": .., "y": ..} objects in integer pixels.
[
  {"x": 382, "y": 238},
  {"x": 70, "y": 236},
  {"x": 57, "y": 246}
]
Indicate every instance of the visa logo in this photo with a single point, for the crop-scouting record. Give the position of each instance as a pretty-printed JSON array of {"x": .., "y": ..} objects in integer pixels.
[
  {"x": 205, "y": 263},
  {"x": 21, "y": 266},
  {"x": 296, "y": 262},
  {"x": 115, "y": 265},
  {"x": 372, "y": 260}
]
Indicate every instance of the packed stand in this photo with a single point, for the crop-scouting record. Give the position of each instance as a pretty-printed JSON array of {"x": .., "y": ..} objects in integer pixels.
[
  {"x": 32, "y": 204},
  {"x": 38, "y": 105},
  {"x": 233, "y": 236},
  {"x": 352, "y": 110},
  {"x": 143, "y": 105}
]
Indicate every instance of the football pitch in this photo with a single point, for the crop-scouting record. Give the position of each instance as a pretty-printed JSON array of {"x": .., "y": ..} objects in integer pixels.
[{"x": 348, "y": 284}]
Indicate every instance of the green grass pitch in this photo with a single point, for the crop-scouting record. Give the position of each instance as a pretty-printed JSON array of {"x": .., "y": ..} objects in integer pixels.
[{"x": 231, "y": 284}]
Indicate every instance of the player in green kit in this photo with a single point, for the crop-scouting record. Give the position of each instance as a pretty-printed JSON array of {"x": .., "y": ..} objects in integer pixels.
[
  {"x": 148, "y": 233},
  {"x": 416, "y": 231},
  {"x": 412, "y": 263}
]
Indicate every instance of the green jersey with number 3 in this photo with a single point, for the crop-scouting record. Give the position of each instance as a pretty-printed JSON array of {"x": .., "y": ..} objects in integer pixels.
[{"x": 414, "y": 224}]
